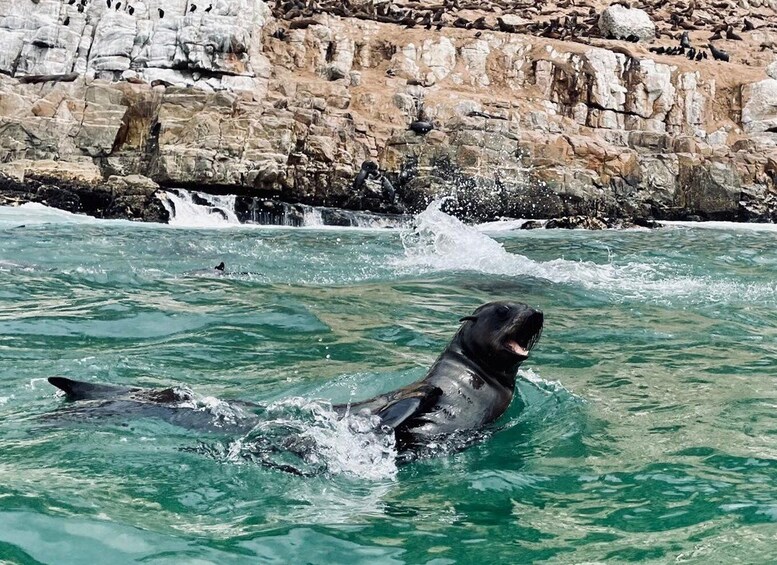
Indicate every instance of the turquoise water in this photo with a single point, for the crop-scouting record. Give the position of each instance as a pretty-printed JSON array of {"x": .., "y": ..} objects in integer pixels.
[{"x": 648, "y": 430}]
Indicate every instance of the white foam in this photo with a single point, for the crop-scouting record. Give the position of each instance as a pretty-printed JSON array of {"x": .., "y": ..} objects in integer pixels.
[
  {"x": 441, "y": 242},
  {"x": 351, "y": 445},
  {"x": 33, "y": 213},
  {"x": 735, "y": 226},
  {"x": 184, "y": 212}
]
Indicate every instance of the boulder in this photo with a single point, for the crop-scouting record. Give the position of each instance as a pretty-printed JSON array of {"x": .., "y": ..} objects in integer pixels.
[
  {"x": 759, "y": 109},
  {"x": 619, "y": 22}
]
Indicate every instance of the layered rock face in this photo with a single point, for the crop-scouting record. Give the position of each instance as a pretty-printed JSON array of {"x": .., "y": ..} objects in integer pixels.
[{"x": 226, "y": 97}]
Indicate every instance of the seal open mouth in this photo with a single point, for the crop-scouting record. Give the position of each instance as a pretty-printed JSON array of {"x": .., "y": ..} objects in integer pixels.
[{"x": 523, "y": 336}]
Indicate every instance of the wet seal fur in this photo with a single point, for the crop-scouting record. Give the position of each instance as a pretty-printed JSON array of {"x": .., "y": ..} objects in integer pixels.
[{"x": 470, "y": 385}]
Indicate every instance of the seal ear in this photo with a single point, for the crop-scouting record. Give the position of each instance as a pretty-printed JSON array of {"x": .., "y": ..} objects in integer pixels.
[{"x": 468, "y": 319}]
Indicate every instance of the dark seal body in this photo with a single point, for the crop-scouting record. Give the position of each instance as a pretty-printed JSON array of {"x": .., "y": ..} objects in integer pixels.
[{"x": 469, "y": 386}]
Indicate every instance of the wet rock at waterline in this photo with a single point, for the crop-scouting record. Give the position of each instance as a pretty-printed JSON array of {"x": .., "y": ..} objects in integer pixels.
[
  {"x": 114, "y": 199},
  {"x": 200, "y": 209},
  {"x": 266, "y": 105}
]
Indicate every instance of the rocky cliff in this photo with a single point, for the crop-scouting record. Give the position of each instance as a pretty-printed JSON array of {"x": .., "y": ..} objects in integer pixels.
[{"x": 527, "y": 109}]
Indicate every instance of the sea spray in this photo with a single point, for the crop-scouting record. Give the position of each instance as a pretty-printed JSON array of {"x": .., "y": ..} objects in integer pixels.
[
  {"x": 307, "y": 437},
  {"x": 440, "y": 242}
]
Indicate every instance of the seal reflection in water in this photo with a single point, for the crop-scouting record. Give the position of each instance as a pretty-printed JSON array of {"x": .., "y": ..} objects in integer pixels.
[{"x": 469, "y": 386}]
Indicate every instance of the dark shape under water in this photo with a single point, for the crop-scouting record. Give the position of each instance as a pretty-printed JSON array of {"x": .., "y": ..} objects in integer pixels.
[{"x": 469, "y": 386}]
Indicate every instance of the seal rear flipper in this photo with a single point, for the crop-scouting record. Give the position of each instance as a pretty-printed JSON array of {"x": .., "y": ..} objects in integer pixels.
[
  {"x": 79, "y": 390},
  {"x": 418, "y": 401}
]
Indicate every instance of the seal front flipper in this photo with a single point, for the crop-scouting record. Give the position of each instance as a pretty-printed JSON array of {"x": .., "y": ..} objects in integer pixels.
[
  {"x": 79, "y": 390},
  {"x": 404, "y": 408}
]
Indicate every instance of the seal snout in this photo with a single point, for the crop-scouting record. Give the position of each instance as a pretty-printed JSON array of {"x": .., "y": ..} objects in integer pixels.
[{"x": 525, "y": 333}]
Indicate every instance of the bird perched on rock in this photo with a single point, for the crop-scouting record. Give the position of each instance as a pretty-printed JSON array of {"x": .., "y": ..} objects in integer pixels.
[
  {"x": 718, "y": 54},
  {"x": 161, "y": 13},
  {"x": 685, "y": 40}
]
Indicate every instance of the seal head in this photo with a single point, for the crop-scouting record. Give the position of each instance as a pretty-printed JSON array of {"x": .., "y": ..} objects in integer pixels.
[{"x": 499, "y": 336}]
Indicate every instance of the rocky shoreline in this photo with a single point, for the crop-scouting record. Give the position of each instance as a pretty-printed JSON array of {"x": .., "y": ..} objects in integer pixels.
[{"x": 529, "y": 110}]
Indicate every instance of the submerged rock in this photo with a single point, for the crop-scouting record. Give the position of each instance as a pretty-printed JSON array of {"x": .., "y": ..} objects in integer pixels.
[{"x": 576, "y": 222}]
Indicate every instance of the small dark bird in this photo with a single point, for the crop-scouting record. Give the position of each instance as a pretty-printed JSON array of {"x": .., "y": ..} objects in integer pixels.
[
  {"x": 421, "y": 127},
  {"x": 748, "y": 25},
  {"x": 108, "y": 2},
  {"x": 80, "y": 8},
  {"x": 67, "y": 21},
  {"x": 161, "y": 13},
  {"x": 685, "y": 41},
  {"x": 209, "y": 8},
  {"x": 71, "y": 2},
  {"x": 691, "y": 53},
  {"x": 718, "y": 54},
  {"x": 701, "y": 55},
  {"x": 131, "y": 10},
  {"x": 478, "y": 34},
  {"x": 118, "y": 5},
  {"x": 192, "y": 8}
]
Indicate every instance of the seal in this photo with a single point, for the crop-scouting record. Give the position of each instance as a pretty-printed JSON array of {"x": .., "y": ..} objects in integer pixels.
[
  {"x": 421, "y": 127},
  {"x": 718, "y": 54},
  {"x": 470, "y": 385}
]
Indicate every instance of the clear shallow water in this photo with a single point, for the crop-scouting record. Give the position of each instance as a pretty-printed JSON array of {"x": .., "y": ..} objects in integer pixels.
[{"x": 649, "y": 431}]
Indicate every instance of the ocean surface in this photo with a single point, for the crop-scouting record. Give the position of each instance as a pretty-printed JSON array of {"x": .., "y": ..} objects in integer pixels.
[{"x": 646, "y": 429}]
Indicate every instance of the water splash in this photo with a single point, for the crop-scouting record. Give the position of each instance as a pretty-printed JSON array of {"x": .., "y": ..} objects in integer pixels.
[
  {"x": 440, "y": 242},
  {"x": 309, "y": 438},
  {"x": 197, "y": 209},
  {"x": 202, "y": 210}
]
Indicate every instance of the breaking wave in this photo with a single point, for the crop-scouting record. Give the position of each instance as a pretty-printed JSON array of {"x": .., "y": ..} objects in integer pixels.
[{"x": 440, "y": 242}]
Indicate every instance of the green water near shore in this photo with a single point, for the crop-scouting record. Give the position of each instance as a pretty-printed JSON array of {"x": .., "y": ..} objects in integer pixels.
[{"x": 649, "y": 432}]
